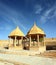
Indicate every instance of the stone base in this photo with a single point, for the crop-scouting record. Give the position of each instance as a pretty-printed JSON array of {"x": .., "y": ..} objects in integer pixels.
[
  {"x": 42, "y": 49},
  {"x": 16, "y": 47},
  {"x": 35, "y": 48}
]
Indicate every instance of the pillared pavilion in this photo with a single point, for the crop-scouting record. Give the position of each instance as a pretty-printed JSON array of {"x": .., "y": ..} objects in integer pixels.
[
  {"x": 16, "y": 35},
  {"x": 36, "y": 34}
]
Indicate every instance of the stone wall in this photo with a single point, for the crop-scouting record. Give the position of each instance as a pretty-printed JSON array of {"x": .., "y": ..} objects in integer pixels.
[
  {"x": 50, "y": 41},
  {"x": 4, "y": 43}
]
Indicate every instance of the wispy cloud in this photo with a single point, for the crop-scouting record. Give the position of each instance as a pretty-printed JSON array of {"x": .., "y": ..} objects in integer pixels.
[
  {"x": 38, "y": 9},
  {"x": 6, "y": 28},
  {"x": 45, "y": 14},
  {"x": 10, "y": 16},
  {"x": 48, "y": 14}
]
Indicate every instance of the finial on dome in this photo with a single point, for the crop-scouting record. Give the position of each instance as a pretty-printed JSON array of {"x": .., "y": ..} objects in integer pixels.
[
  {"x": 34, "y": 23},
  {"x": 17, "y": 27}
]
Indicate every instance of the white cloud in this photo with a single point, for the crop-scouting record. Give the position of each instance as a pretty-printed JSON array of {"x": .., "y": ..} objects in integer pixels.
[
  {"x": 38, "y": 9},
  {"x": 5, "y": 28},
  {"x": 43, "y": 19},
  {"x": 48, "y": 14},
  {"x": 10, "y": 15}
]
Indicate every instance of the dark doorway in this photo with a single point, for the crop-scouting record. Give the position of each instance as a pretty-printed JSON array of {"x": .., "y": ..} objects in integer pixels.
[
  {"x": 26, "y": 48},
  {"x": 53, "y": 47}
]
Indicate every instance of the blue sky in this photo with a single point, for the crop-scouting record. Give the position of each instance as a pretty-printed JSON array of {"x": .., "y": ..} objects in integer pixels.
[{"x": 23, "y": 13}]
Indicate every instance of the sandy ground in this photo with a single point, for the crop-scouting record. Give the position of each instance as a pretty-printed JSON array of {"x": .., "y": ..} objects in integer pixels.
[
  {"x": 5, "y": 63},
  {"x": 30, "y": 60},
  {"x": 48, "y": 54},
  {"x": 22, "y": 57},
  {"x": 8, "y": 62}
]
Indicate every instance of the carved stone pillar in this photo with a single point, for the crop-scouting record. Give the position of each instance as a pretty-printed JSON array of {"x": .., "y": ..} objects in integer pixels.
[
  {"x": 9, "y": 41},
  {"x": 15, "y": 42},
  {"x": 18, "y": 42},
  {"x": 30, "y": 40},
  {"x": 44, "y": 40},
  {"x": 22, "y": 42},
  {"x": 38, "y": 39}
]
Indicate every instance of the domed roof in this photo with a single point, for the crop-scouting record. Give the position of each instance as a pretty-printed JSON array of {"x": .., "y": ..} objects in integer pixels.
[
  {"x": 35, "y": 30},
  {"x": 17, "y": 32}
]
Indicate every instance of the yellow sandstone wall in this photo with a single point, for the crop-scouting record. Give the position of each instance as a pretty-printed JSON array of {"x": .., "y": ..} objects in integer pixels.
[
  {"x": 4, "y": 43},
  {"x": 50, "y": 41}
]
